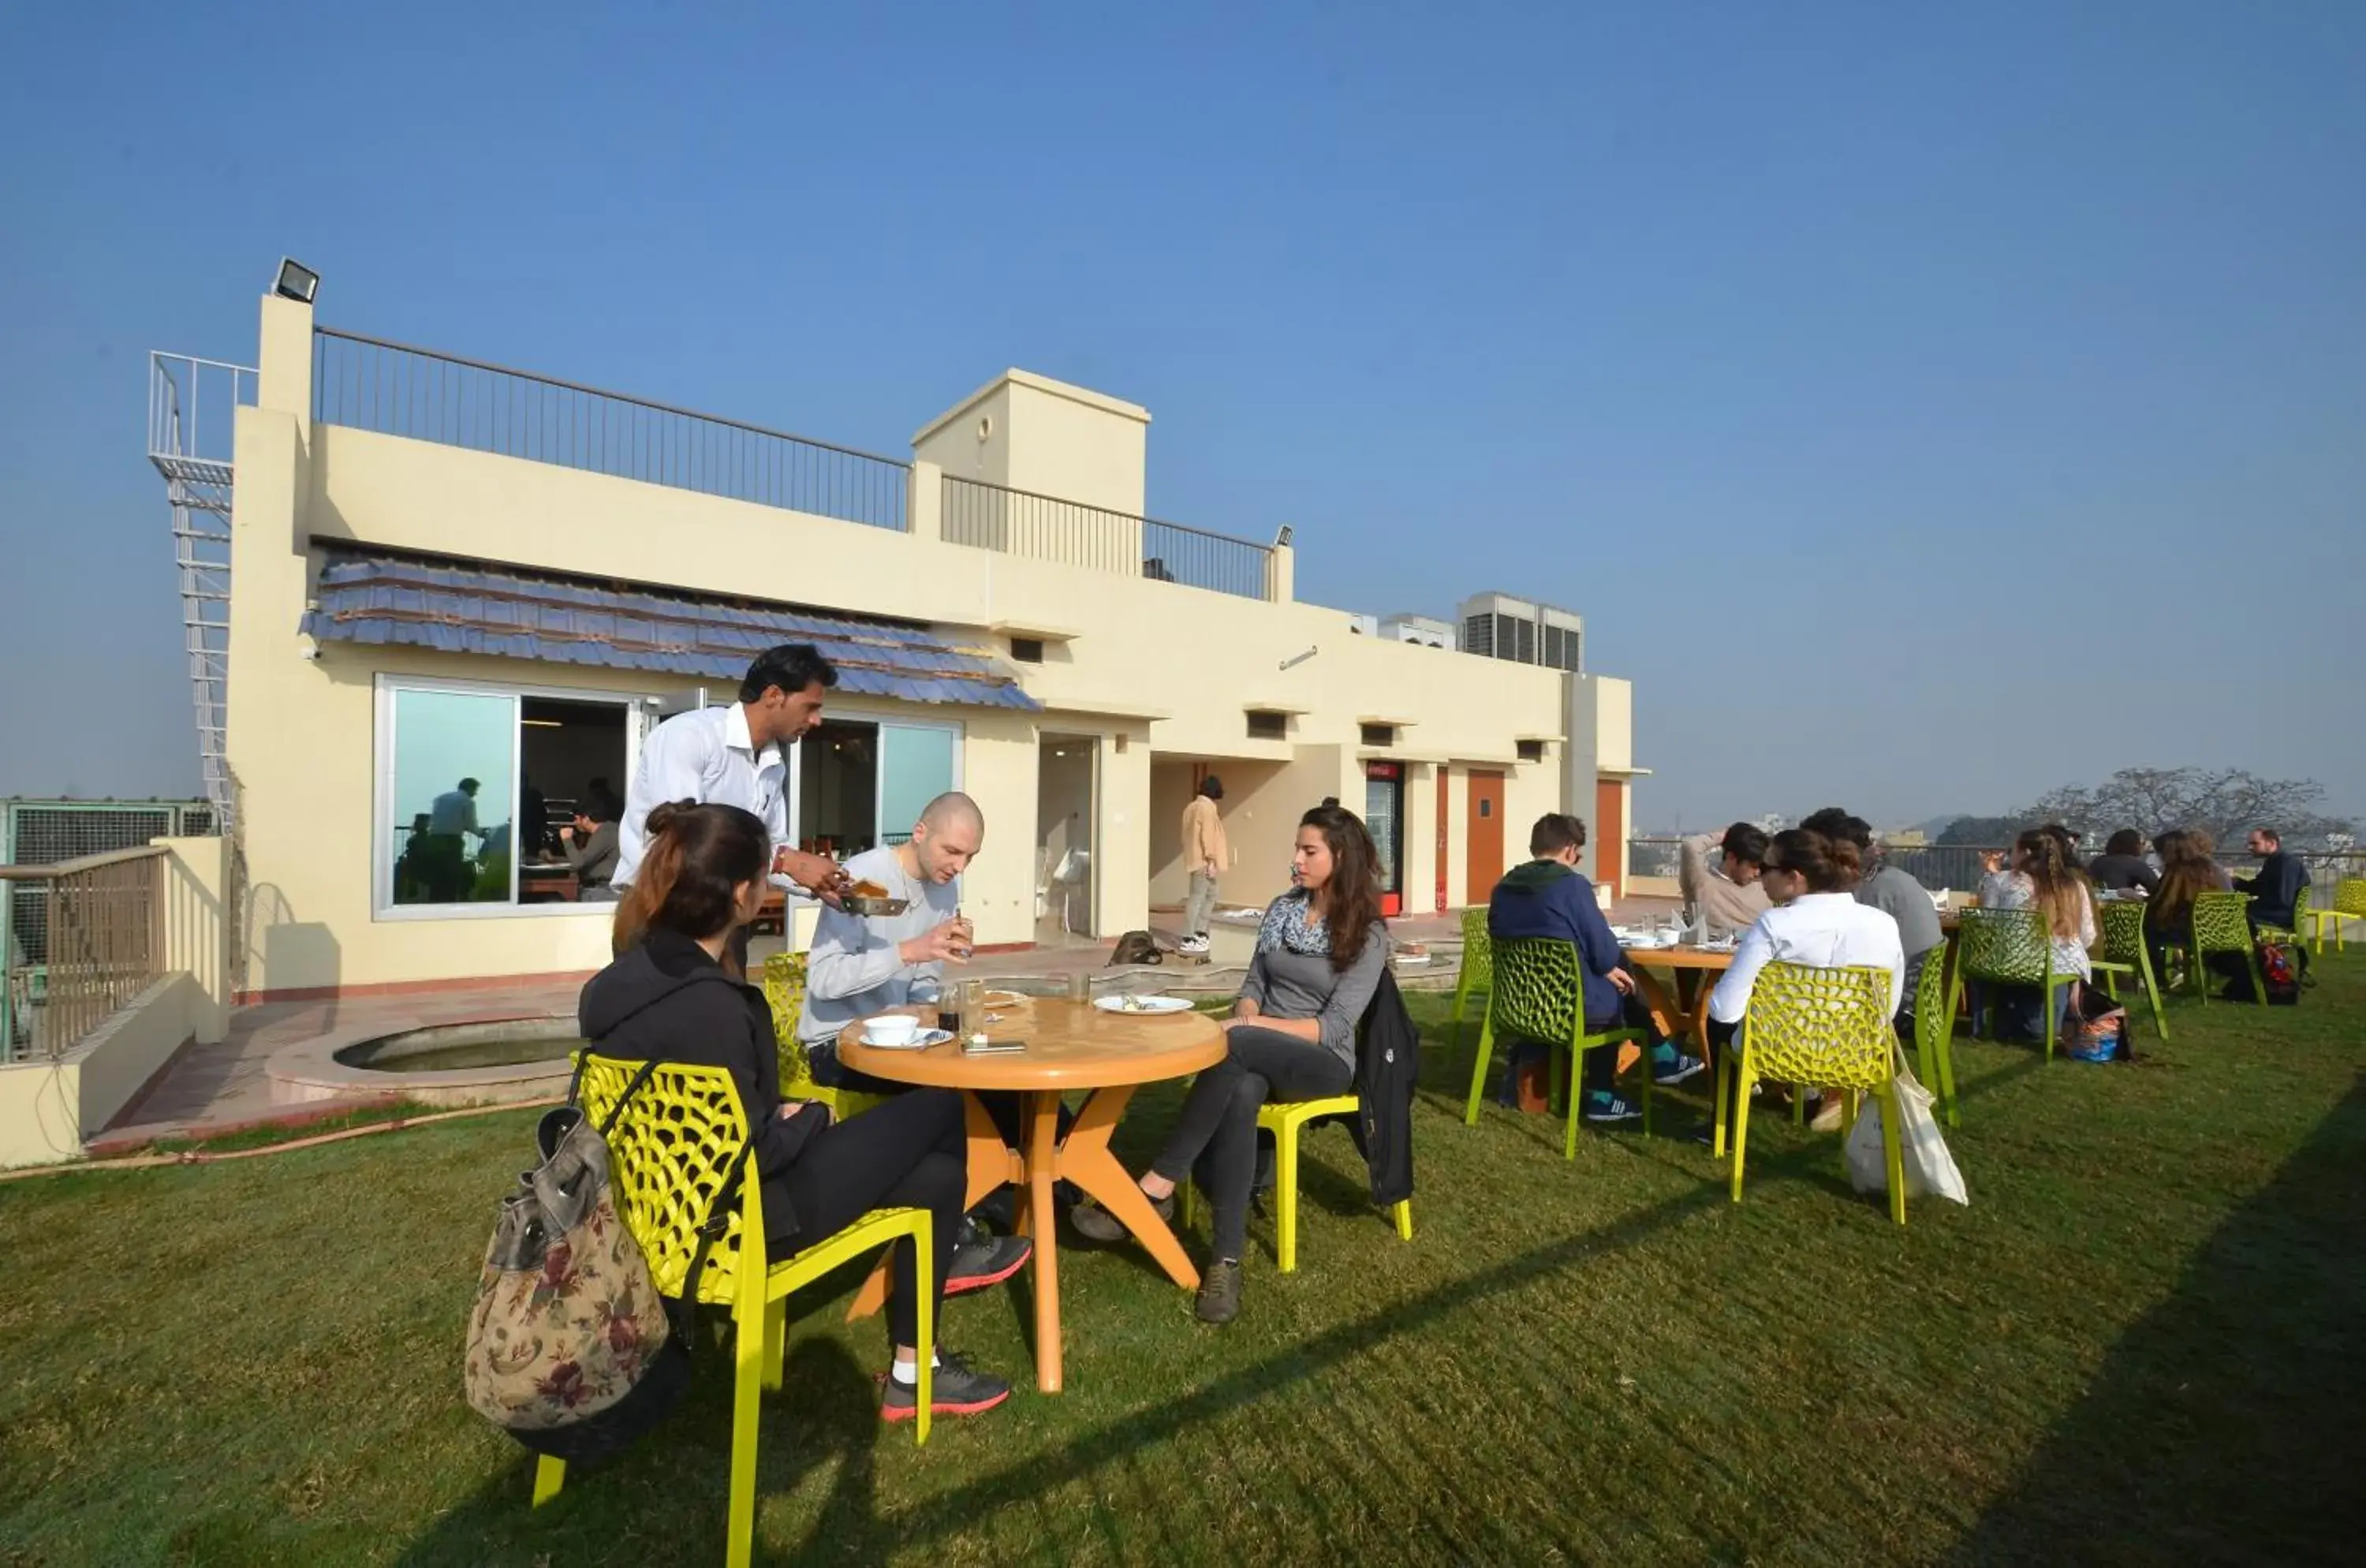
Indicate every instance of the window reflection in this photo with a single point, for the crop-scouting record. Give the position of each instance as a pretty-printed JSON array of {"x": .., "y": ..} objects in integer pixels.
[{"x": 453, "y": 797}]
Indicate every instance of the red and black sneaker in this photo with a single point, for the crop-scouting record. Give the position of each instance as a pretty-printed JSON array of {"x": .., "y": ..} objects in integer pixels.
[
  {"x": 955, "y": 1390},
  {"x": 987, "y": 1260}
]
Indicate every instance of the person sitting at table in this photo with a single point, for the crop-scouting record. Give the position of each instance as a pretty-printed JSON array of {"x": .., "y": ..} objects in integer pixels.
[
  {"x": 2276, "y": 889},
  {"x": 590, "y": 844},
  {"x": 2043, "y": 878},
  {"x": 1895, "y": 894},
  {"x": 2121, "y": 868},
  {"x": 672, "y": 994},
  {"x": 1548, "y": 897},
  {"x": 2189, "y": 867},
  {"x": 1320, "y": 955},
  {"x": 1815, "y": 921},
  {"x": 1726, "y": 894}
]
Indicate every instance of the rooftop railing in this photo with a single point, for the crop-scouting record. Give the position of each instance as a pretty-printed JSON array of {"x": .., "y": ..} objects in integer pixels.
[
  {"x": 1020, "y": 523},
  {"x": 394, "y": 389},
  {"x": 104, "y": 944}
]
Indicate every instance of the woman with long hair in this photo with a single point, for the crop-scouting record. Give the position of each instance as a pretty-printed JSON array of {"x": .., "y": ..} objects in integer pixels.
[
  {"x": 2189, "y": 867},
  {"x": 2042, "y": 876},
  {"x": 673, "y": 995},
  {"x": 1319, "y": 956}
]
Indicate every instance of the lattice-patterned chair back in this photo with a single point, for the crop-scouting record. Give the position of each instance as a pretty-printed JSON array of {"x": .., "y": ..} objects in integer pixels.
[
  {"x": 2004, "y": 947},
  {"x": 785, "y": 989},
  {"x": 1934, "y": 1028},
  {"x": 2350, "y": 897},
  {"x": 1931, "y": 995},
  {"x": 2221, "y": 923},
  {"x": 1478, "y": 952},
  {"x": 668, "y": 1153},
  {"x": 1540, "y": 989},
  {"x": 2123, "y": 932},
  {"x": 1827, "y": 1027},
  {"x": 2301, "y": 902}
]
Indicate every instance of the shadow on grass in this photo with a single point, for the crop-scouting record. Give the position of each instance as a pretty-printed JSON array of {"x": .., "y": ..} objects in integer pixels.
[
  {"x": 2224, "y": 1425},
  {"x": 831, "y": 1412}
]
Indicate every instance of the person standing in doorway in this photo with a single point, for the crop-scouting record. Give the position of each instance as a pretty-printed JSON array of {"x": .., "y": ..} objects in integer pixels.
[
  {"x": 1207, "y": 855},
  {"x": 736, "y": 755}
]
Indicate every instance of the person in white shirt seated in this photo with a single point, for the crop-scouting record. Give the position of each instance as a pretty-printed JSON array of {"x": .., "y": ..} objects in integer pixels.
[
  {"x": 736, "y": 755},
  {"x": 2043, "y": 877},
  {"x": 1816, "y": 921}
]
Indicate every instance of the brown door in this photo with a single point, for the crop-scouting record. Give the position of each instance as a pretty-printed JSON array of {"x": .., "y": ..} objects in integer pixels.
[
  {"x": 1609, "y": 832},
  {"x": 1487, "y": 835},
  {"x": 1439, "y": 775}
]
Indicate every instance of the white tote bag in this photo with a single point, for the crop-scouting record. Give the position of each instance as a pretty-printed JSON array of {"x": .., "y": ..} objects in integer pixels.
[{"x": 1929, "y": 1169}]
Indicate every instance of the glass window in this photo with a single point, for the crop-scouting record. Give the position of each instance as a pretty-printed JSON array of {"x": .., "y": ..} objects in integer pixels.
[
  {"x": 916, "y": 765},
  {"x": 451, "y": 797},
  {"x": 838, "y": 789}
]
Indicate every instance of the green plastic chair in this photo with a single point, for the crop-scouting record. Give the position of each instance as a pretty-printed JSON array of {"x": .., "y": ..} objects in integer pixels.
[
  {"x": 2124, "y": 952},
  {"x": 2008, "y": 947},
  {"x": 1808, "y": 1025},
  {"x": 2288, "y": 935},
  {"x": 1478, "y": 967},
  {"x": 1539, "y": 994},
  {"x": 2349, "y": 904},
  {"x": 1934, "y": 1028},
  {"x": 2222, "y": 923}
]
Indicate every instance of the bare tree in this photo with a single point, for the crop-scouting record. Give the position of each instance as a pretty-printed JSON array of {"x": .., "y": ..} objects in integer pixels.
[{"x": 2225, "y": 804}]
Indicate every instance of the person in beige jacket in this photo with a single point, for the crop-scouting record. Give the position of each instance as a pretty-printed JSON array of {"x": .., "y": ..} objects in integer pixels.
[
  {"x": 1205, "y": 856},
  {"x": 1728, "y": 893}
]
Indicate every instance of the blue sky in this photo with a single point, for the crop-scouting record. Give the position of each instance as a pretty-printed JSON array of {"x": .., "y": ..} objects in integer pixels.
[{"x": 1925, "y": 405}]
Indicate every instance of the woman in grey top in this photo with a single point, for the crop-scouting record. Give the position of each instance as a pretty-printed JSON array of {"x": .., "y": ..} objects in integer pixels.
[{"x": 1320, "y": 955}]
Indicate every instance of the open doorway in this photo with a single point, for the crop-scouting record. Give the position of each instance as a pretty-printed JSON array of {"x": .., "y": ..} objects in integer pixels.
[{"x": 1066, "y": 873}]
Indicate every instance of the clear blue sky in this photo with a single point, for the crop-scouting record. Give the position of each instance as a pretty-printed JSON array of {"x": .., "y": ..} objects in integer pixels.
[{"x": 1924, "y": 405}]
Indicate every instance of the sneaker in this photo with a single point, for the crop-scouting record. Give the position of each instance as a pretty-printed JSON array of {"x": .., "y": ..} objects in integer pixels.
[
  {"x": 999, "y": 1209},
  {"x": 1192, "y": 944},
  {"x": 1097, "y": 1224},
  {"x": 1678, "y": 1071},
  {"x": 1602, "y": 1107},
  {"x": 988, "y": 1262},
  {"x": 1219, "y": 1291},
  {"x": 957, "y": 1389}
]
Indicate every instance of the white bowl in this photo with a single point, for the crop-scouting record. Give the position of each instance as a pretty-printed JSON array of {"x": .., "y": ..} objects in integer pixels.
[{"x": 891, "y": 1029}]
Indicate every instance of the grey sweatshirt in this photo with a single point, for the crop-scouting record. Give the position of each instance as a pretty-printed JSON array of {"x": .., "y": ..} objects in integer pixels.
[{"x": 855, "y": 968}]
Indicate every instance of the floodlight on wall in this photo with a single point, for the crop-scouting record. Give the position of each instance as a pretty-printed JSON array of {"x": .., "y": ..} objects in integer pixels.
[
  {"x": 1281, "y": 538},
  {"x": 296, "y": 281}
]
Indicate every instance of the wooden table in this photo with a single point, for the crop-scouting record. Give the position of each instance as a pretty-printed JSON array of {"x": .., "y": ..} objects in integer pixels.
[
  {"x": 1677, "y": 1021},
  {"x": 1071, "y": 1046}
]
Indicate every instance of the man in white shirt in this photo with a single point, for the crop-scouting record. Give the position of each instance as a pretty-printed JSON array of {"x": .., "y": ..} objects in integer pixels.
[
  {"x": 738, "y": 756},
  {"x": 451, "y": 820}
]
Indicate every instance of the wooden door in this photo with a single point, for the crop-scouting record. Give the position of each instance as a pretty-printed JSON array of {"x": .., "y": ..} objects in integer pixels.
[
  {"x": 1484, "y": 836},
  {"x": 1438, "y": 776},
  {"x": 1609, "y": 833}
]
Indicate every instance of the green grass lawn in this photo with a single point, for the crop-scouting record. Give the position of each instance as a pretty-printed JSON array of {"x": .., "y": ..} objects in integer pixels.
[{"x": 2141, "y": 1343}]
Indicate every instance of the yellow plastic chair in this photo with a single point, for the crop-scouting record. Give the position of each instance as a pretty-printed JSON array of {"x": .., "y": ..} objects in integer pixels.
[
  {"x": 1830, "y": 1027},
  {"x": 2349, "y": 904},
  {"x": 1283, "y": 1121},
  {"x": 2008, "y": 947},
  {"x": 1934, "y": 1029},
  {"x": 1478, "y": 973},
  {"x": 670, "y": 1153},
  {"x": 785, "y": 991},
  {"x": 1538, "y": 994},
  {"x": 2288, "y": 935},
  {"x": 2222, "y": 923},
  {"x": 2125, "y": 952}
]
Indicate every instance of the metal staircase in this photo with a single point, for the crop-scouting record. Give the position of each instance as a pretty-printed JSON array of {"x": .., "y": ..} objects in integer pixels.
[{"x": 192, "y": 414}]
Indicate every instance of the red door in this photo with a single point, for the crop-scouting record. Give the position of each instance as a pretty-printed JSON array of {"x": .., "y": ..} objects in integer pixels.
[
  {"x": 1485, "y": 846},
  {"x": 1440, "y": 773},
  {"x": 1609, "y": 832}
]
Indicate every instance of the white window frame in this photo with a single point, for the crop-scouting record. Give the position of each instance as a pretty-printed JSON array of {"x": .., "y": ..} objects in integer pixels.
[
  {"x": 381, "y": 871},
  {"x": 796, "y": 790}
]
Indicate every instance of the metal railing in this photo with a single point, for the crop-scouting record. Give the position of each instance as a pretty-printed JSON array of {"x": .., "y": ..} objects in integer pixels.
[
  {"x": 193, "y": 411},
  {"x": 1021, "y": 522},
  {"x": 1959, "y": 867},
  {"x": 394, "y": 389},
  {"x": 104, "y": 925}
]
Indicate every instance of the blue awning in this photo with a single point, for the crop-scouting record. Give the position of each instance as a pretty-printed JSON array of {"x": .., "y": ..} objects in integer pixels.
[{"x": 388, "y": 600}]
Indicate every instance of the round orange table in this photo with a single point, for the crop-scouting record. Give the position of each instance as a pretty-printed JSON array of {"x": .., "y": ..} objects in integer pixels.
[{"x": 1071, "y": 1046}]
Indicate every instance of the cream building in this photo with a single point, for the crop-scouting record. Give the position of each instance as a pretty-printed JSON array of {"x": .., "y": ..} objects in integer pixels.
[{"x": 444, "y": 571}]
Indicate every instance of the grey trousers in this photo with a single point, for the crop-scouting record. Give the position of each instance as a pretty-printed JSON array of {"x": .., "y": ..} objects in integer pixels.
[{"x": 1200, "y": 904}]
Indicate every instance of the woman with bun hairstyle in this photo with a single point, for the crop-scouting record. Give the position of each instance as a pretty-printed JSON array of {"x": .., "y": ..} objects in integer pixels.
[
  {"x": 672, "y": 994},
  {"x": 1816, "y": 920}
]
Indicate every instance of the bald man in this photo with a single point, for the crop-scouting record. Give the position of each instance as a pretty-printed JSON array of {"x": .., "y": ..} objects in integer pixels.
[{"x": 861, "y": 965}]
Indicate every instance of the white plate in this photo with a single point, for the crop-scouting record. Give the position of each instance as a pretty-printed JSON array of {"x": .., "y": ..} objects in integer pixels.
[
  {"x": 927, "y": 1037},
  {"x": 1142, "y": 1006}
]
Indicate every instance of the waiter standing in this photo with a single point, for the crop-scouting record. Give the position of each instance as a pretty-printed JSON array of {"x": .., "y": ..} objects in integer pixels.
[{"x": 736, "y": 755}]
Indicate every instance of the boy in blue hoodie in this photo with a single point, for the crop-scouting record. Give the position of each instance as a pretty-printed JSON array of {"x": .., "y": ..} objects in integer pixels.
[{"x": 1546, "y": 897}]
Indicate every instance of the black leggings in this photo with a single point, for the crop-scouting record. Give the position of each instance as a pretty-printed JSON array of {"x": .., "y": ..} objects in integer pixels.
[
  {"x": 1220, "y": 1118},
  {"x": 909, "y": 1153}
]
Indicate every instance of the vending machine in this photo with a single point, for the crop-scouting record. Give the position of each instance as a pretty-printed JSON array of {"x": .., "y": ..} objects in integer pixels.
[{"x": 1385, "y": 815}]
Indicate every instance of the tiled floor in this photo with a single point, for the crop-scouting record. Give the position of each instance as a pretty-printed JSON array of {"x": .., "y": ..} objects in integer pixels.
[{"x": 226, "y": 1083}]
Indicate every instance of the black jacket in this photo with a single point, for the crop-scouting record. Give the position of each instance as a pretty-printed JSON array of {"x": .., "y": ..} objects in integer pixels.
[
  {"x": 667, "y": 1000},
  {"x": 1388, "y": 1060},
  {"x": 2277, "y": 887}
]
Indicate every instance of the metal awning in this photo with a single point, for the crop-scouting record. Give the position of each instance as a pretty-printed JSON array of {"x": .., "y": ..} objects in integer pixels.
[{"x": 374, "y": 599}]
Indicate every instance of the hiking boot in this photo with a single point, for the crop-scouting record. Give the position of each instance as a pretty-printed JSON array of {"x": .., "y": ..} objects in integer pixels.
[
  {"x": 1600, "y": 1107},
  {"x": 957, "y": 1389},
  {"x": 1219, "y": 1291},
  {"x": 990, "y": 1261},
  {"x": 1097, "y": 1224},
  {"x": 1678, "y": 1071}
]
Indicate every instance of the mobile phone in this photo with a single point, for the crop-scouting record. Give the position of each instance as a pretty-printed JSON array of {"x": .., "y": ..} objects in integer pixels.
[{"x": 993, "y": 1048}]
